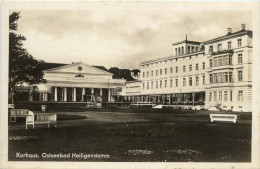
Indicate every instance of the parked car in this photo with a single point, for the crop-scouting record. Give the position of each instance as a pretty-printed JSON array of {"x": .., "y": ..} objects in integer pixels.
[{"x": 198, "y": 107}]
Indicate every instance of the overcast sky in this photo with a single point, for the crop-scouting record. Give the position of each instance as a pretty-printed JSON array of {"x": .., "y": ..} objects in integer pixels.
[{"x": 120, "y": 38}]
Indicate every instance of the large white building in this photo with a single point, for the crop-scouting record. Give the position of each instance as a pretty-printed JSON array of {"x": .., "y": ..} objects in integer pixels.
[{"x": 217, "y": 72}]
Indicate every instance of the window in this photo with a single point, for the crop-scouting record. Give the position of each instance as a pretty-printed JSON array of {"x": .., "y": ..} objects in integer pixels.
[
  {"x": 203, "y": 65},
  {"x": 203, "y": 79},
  {"x": 176, "y": 69},
  {"x": 231, "y": 95},
  {"x": 156, "y": 84},
  {"x": 219, "y": 47},
  {"x": 197, "y": 66},
  {"x": 240, "y": 58},
  {"x": 160, "y": 71},
  {"x": 182, "y": 50},
  {"x": 156, "y": 72},
  {"x": 152, "y": 73},
  {"x": 240, "y": 95},
  {"x": 171, "y": 70},
  {"x": 192, "y": 49},
  {"x": 190, "y": 81},
  {"x": 147, "y": 85},
  {"x": 184, "y": 81},
  {"x": 197, "y": 49},
  {"x": 197, "y": 80},
  {"x": 190, "y": 67},
  {"x": 215, "y": 96},
  {"x": 225, "y": 95},
  {"x": 165, "y": 83},
  {"x": 230, "y": 59},
  {"x": 188, "y": 49},
  {"x": 184, "y": 68},
  {"x": 240, "y": 75},
  {"x": 143, "y": 74},
  {"x": 229, "y": 45},
  {"x": 210, "y": 78},
  {"x": 220, "y": 95},
  {"x": 160, "y": 84},
  {"x": 210, "y": 96},
  {"x": 166, "y": 71},
  {"x": 170, "y": 82},
  {"x": 143, "y": 86},
  {"x": 230, "y": 77},
  {"x": 176, "y": 53},
  {"x": 147, "y": 74},
  {"x": 210, "y": 63},
  {"x": 151, "y": 85},
  {"x": 176, "y": 82},
  {"x": 210, "y": 49},
  {"x": 239, "y": 42}
]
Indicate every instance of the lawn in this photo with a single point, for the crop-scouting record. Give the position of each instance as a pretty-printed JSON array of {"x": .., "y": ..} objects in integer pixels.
[{"x": 163, "y": 139}]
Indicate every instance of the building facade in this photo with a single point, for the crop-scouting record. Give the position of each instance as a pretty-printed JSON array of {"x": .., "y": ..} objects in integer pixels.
[
  {"x": 77, "y": 82},
  {"x": 217, "y": 72}
]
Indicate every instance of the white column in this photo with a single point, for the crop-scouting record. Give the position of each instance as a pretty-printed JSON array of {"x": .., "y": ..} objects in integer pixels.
[
  {"x": 62, "y": 94},
  {"x": 92, "y": 94},
  {"x": 55, "y": 94},
  {"x": 83, "y": 93},
  {"x": 109, "y": 99},
  {"x": 65, "y": 94},
  {"x": 74, "y": 94},
  {"x": 100, "y": 92}
]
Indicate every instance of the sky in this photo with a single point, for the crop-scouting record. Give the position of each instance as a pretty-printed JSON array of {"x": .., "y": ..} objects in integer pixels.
[{"x": 120, "y": 38}]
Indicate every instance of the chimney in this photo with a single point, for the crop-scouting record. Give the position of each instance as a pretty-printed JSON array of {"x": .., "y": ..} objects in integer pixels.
[
  {"x": 229, "y": 30},
  {"x": 243, "y": 26}
]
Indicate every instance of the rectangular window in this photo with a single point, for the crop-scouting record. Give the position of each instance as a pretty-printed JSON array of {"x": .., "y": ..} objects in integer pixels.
[
  {"x": 225, "y": 95},
  {"x": 170, "y": 82},
  {"x": 197, "y": 80},
  {"x": 203, "y": 65},
  {"x": 165, "y": 83},
  {"x": 203, "y": 79},
  {"x": 156, "y": 72},
  {"x": 176, "y": 69},
  {"x": 147, "y": 85},
  {"x": 210, "y": 63},
  {"x": 176, "y": 82},
  {"x": 184, "y": 68},
  {"x": 229, "y": 45},
  {"x": 147, "y": 74},
  {"x": 240, "y": 58},
  {"x": 171, "y": 70},
  {"x": 220, "y": 96},
  {"x": 210, "y": 78},
  {"x": 151, "y": 85},
  {"x": 240, "y": 75},
  {"x": 219, "y": 47},
  {"x": 143, "y": 74},
  {"x": 152, "y": 73},
  {"x": 197, "y": 66},
  {"x": 240, "y": 95},
  {"x": 215, "y": 96},
  {"x": 190, "y": 81},
  {"x": 184, "y": 81},
  {"x": 190, "y": 67},
  {"x": 156, "y": 84},
  {"x": 230, "y": 76},
  {"x": 166, "y": 71},
  {"x": 160, "y": 84},
  {"x": 210, "y": 96},
  {"x": 160, "y": 71},
  {"x": 230, "y": 59},
  {"x": 231, "y": 95},
  {"x": 239, "y": 42},
  {"x": 210, "y": 49},
  {"x": 143, "y": 86}
]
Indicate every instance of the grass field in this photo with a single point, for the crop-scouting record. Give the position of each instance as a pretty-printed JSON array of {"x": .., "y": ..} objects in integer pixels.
[{"x": 166, "y": 138}]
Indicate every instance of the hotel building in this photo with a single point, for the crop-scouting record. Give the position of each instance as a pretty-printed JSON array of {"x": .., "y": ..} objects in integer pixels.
[{"x": 217, "y": 72}]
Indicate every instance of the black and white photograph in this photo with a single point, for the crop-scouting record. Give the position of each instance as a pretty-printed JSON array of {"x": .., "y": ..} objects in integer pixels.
[{"x": 145, "y": 84}]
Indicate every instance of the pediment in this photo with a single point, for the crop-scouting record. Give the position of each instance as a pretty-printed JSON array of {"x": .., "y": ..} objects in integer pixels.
[{"x": 78, "y": 68}]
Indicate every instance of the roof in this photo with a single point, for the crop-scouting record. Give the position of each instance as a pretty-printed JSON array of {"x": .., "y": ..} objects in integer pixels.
[
  {"x": 187, "y": 41},
  {"x": 45, "y": 66},
  {"x": 229, "y": 35}
]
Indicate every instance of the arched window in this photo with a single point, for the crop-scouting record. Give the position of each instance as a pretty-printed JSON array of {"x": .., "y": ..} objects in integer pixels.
[
  {"x": 182, "y": 50},
  {"x": 179, "y": 51}
]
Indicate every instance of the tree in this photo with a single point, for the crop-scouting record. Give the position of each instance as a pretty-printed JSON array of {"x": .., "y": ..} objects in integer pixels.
[{"x": 23, "y": 68}]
